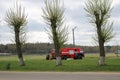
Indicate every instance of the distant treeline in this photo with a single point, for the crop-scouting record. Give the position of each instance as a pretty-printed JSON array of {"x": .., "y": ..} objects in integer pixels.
[{"x": 43, "y": 48}]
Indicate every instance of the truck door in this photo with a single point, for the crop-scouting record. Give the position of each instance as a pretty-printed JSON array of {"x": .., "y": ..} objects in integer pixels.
[{"x": 71, "y": 52}]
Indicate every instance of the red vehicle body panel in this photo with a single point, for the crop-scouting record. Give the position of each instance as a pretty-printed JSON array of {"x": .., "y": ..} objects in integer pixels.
[{"x": 67, "y": 53}]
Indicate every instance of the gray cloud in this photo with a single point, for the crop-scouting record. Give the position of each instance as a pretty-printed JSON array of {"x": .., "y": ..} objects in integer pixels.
[
  {"x": 34, "y": 25},
  {"x": 74, "y": 16}
]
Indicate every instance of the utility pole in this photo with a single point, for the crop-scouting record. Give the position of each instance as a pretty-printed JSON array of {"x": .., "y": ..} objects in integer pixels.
[{"x": 73, "y": 36}]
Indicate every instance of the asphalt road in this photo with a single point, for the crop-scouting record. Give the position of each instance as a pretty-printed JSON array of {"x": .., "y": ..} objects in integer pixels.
[{"x": 59, "y": 76}]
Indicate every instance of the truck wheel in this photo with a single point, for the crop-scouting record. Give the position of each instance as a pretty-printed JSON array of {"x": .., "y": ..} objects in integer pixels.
[
  {"x": 65, "y": 57},
  {"x": 47, "y": 57},
  {"x": 80, "y": 57}
]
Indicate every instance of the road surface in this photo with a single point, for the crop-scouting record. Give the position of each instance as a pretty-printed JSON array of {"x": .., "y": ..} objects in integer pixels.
[{"x": 59, "y": 75}]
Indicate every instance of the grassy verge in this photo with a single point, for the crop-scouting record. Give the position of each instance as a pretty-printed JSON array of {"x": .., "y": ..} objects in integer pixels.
[{"x": 38, "y": 63}]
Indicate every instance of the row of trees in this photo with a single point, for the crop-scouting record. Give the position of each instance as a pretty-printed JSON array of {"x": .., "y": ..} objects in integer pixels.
[
  {"x": 53, "y": 14},
  {"x": 99, "y": 14},
  {"x": 44, "y": 48}
]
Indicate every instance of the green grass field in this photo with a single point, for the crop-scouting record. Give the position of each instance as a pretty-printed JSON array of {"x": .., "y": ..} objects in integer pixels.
[{"x": 38, "y": 63}]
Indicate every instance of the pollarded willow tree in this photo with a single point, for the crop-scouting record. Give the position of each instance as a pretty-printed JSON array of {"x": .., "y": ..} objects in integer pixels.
[
  {"x": 17, "y": 19},
  {"x": 53, "y": 14},
  {"x": 99, "y": 13},
  {"x": 62, "y": 35}
]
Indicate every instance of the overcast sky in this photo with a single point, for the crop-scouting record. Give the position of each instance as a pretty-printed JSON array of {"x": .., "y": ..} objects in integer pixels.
[{"x": 74, "y": 16}]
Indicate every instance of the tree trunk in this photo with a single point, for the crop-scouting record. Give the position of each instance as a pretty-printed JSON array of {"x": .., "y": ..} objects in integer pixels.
[
  {"x": 58, "y": 61},
  {"x": 102, "y": 61},
  {"x": 18, "y": 47},
  {"x": 56, "y": 45},
  {"x": 101, "y": 48},
  {"x": 102, "y": 54},
  {"x": 22, "y": 63},
  {"x": 57, "y": 48}
]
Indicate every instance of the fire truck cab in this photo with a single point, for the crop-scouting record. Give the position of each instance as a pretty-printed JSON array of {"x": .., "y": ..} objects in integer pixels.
[{"x": 75, "y": 53}]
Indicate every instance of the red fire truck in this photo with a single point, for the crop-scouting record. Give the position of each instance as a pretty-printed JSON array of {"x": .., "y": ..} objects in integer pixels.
[{"x": 75, "y": 53}]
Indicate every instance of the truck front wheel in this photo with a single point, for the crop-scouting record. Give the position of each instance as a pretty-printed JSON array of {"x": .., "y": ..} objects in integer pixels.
[
  {"x": 79, "y": 57},
  {"x": 64, "y": 57}
]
